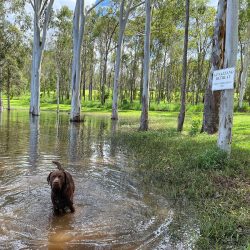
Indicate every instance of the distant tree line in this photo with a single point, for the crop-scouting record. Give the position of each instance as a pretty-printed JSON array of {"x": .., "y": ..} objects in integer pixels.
[{"x": 112, "y": 51}]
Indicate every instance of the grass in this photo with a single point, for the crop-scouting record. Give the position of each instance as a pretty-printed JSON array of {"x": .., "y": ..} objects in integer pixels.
[
  {"x": 192, "y": 168},
  {"x": 188, "y": 166}
]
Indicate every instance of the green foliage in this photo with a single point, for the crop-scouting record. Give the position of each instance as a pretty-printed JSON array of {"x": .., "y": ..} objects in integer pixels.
[{"x": 195, "y": 125}]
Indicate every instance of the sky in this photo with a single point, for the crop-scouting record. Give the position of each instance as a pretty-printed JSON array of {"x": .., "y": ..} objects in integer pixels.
[{"x": 71, "y": 3}]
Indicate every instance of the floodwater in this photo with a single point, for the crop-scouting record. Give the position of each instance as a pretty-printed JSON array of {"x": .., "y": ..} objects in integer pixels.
[{"x": 114, "y": 210}]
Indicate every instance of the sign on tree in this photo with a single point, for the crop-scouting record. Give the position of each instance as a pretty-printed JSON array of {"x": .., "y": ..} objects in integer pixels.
[{"x": 223, "y": 79}]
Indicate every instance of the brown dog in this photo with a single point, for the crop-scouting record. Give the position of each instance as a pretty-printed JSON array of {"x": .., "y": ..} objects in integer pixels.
[{"x": 62, "y": 188}]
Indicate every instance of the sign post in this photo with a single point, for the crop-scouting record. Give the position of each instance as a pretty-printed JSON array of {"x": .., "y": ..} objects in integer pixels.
[{"x": 223, "y": 79}]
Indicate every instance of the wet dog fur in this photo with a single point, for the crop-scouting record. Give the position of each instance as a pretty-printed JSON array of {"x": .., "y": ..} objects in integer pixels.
[{"x": 62, "y": 189}]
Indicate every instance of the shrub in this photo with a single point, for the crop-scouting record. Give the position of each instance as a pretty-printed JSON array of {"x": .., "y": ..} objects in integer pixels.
[{"x": 195, "y": 125}]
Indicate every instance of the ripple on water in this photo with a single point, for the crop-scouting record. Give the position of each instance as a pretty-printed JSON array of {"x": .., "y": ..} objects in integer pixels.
[{"x": 113, "y": 209}]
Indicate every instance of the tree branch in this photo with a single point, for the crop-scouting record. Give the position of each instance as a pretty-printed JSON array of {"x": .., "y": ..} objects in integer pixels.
[
  {"x": 32, "y": 5},
  {"x": 88, "y": 11},
  {"x": 43, "y": 7},
  {"x": 135, "y": 6},
  {"x": 46, "y": 22}
]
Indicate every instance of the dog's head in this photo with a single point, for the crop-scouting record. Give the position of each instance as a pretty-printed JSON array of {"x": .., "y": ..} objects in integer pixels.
[{"x": 57, "y": 180}]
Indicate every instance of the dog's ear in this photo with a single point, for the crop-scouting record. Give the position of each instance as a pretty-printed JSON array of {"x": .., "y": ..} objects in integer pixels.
[{"x": 48, "y": 178}]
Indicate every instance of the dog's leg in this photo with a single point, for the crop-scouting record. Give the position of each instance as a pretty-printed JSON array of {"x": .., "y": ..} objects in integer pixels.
[{"x": 71, "y": 207}]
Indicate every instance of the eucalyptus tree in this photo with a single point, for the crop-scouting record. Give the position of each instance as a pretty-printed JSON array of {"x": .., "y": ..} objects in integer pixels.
[
  {"x": 146, "y": 76},
  {"x": 212, "y": 99},
  {"x": 181, "y": 115},
  {"x": 227, "y": 96},
  {"x": 42, "y": 12},
  {"x": 2, "y": 47},
  {"x": 166, "y": 40},
  {"x": 78, "y": 32},
  {"x": 13, "y": 53},
  {"x": 201, "y": 30},
  {"x": 244, "y": 46},
  {"x": 245, "y": 67},
  {"x": 125, "y": 10},
  {"x": 105, "y": 30},
  {"x": 63, "y": 51}
]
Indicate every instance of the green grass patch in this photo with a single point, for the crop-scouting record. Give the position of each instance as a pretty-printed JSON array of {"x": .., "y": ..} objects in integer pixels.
[{"x": 191, "y": 167}]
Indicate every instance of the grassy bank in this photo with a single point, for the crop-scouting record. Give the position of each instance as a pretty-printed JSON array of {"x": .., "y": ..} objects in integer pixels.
[
  {"x": 191, "y": 168},
  {"x": 48, "y": 103}
]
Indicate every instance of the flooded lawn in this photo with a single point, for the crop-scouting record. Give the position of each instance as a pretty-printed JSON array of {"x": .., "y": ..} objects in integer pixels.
[{"x": 113, "y": 208}]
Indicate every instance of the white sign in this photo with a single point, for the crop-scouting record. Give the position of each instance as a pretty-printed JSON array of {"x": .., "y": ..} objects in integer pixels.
[{"x": 223, "y": 79}]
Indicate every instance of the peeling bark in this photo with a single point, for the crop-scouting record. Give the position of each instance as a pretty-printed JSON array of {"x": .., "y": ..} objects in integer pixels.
[
  {"x": 212, "y": 99},
  {"x": 227, "y": 96}
]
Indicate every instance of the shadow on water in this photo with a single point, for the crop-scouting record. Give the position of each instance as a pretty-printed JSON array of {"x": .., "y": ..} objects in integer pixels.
[{"x": 113, "y": 208}]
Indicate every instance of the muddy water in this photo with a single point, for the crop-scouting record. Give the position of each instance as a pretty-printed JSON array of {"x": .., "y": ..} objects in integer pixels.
[{"x": 113, "y": 210}]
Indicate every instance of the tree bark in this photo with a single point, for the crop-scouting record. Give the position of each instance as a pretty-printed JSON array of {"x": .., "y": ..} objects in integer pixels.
[
  {"x": 146, "y": 72},
  {"x": 227, "y": 96},
  {"x": 245, "y": 69},
  {"x": 181, "y": 116},
  {"x": 122, "y": 24},
  {"x": 40, "y": 34},
  {"x": 58, "y": 91},
  {"x": 212, "y": 99},
  {"x": 8, "y": 89},
  {"x": 1, "y": 101},
  {"x": 78, "y": 31}
]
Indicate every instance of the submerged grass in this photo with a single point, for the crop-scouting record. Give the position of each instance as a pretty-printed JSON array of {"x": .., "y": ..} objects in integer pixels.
[{"x": 191, "y": 167}]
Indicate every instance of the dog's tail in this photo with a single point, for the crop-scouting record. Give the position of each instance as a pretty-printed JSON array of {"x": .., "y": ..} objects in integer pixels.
[{"x": 58, "y": 164}]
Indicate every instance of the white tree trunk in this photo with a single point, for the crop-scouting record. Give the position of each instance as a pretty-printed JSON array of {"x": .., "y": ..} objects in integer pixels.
[
  {"x": 122, "y": 25},
  {"x": 146, "y": 72},
  {"x": 116, "y": 76},
  {"x": 226, "y": 106},
  {"x": 42, "y": 9},
  {"x": 246, "y": 62},
  {"x": 58, "y": 90},
  {"x": 78, "y": 30}
]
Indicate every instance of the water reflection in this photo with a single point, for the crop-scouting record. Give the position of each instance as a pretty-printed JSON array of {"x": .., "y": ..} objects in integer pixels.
[
  {"x": 34, "y": 140},
  {"x": 113, "y": 208}
]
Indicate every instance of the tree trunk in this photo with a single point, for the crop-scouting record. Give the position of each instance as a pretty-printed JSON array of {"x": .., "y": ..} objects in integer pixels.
[
  {"x": 212, "y": 99},
  {"x": 58, "y": 90},
  {"x": 1, "y": 101},
  {"x": 40, "y": 34},
  {"x": 36, "y": 72},
  {"x": 117, "y": 74},
  {"x": 146, "y": 73},
  {"x": 84, "y": 70},
  {"x": 227, "y": 96},
  {"x": 245, "y": 69},
  {"x": 78, "y": 30},
  {"x": 104, "y": 78},
  {"x": 181, "y": 116},
  {"x": 122, "y": 24},
  {"x": 8, "y": 89}
]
